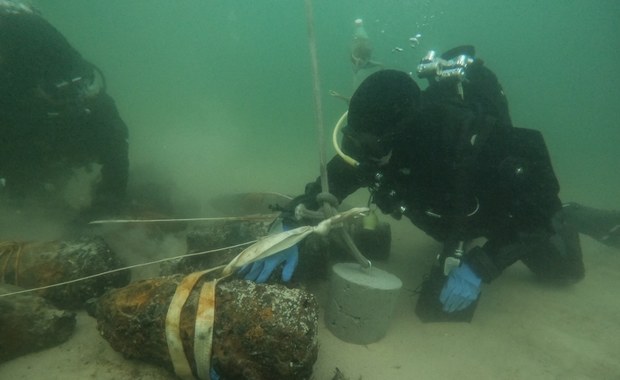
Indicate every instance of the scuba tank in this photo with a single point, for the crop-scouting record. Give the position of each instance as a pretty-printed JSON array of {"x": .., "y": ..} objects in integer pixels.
[{"x": 360, "y": 32}]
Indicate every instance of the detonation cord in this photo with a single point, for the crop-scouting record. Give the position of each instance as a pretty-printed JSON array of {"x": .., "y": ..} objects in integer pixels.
[
  {"x": 178, "y": 220},
  {"x": 126, "y": 268}
]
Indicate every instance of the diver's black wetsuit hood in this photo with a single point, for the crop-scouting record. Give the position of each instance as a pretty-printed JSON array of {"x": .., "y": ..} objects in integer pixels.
[{"x": 383, "y": 102}]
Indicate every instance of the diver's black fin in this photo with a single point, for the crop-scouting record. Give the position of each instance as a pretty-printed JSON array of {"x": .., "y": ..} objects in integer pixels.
[{"x": 602, "y": 225}]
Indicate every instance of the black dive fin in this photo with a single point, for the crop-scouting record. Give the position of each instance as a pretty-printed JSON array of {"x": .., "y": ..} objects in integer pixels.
[{"x": 602, "y": 225}]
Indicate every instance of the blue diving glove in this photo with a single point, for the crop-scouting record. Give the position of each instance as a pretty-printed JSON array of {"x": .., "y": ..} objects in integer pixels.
[
  {"x": 213, "y": 374},
  {"x": 461, "y": 289},
  {"x": 260, "y": 271}
]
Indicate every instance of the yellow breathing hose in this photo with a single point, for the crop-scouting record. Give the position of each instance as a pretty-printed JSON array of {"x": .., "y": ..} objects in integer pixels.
[
  {"x": 339, "y": 125},
  {"x": 370, "y": 221}
]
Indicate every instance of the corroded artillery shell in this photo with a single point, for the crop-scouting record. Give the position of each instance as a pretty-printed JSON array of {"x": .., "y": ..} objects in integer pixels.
[
  {"x": 260, "y": 331},
  {"x": 32, "y": 265},
  {"x": 29, "y": 323}
]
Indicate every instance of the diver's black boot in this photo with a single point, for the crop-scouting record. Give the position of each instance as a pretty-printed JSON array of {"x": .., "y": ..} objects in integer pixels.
[
  {"x": 558, "y": 257},
  {"x": 602, "y": 225}
]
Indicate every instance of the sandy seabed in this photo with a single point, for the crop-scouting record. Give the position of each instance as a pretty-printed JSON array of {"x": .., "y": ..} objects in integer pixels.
[{"x": 522, "y": 329}]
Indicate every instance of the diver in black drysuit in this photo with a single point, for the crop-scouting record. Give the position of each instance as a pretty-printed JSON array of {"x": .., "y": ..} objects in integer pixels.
[
  {"x": 55, "y": 116},
  {"x": 451, "y": 161}
]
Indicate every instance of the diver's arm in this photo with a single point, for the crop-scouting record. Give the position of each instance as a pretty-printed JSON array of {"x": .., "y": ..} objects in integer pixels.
[{"x": 343, "y": 180}]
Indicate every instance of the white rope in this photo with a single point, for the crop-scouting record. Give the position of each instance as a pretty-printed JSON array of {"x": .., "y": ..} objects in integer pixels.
[
  {"x": 176, "y": 220},
  {"x": 122, "y": 269}
]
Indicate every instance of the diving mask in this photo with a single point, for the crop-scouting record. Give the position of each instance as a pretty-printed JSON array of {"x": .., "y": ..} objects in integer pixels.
[{"x": 364, "y": 146}]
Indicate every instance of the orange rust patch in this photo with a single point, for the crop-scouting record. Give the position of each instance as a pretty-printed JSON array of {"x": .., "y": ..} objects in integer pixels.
[{"x": 266, "y": 313}]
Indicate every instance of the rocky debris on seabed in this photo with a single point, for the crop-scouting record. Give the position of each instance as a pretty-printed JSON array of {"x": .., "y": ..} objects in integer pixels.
[
  {"x": 30, "y": 323},
  {"x": 260, "y": 331}
]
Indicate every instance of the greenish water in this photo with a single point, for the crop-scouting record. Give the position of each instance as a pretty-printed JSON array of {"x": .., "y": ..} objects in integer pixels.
[
  {"x": 218, "y": 99},
  {"x": 218, "y": 94}
]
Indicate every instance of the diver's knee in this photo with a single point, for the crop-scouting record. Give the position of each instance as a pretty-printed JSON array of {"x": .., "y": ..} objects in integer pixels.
[{"x": 558, "y": 257}]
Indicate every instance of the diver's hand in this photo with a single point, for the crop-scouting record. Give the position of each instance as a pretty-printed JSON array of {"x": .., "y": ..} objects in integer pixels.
[
  {"x": 214, "y": 375},
  {"x": 260, "y": 271},
  {"x": 461, "y": 289}
]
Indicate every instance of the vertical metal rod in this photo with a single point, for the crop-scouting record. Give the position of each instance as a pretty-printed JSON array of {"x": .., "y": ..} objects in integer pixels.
[
  {"x": 328, "y": 210},
  {"x": 318, "y": 109}
]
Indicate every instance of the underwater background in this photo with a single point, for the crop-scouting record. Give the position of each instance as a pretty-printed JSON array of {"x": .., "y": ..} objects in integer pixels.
[
  {"x": 218, "y": 94},
  {"x": 218, "y": 98}
]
